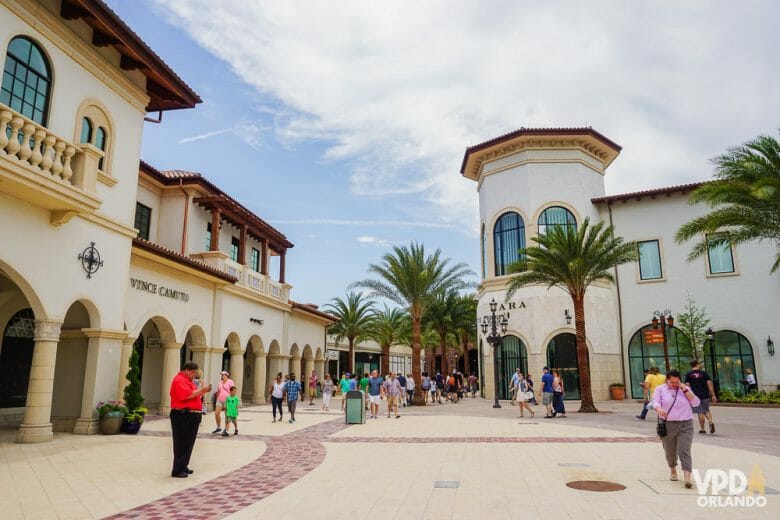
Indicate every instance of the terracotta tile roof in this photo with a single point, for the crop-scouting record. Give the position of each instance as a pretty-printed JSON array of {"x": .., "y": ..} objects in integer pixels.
[
  {"x": 681, "y": 188},
  {"x": 312, "y": 309},
  {"x": 180, "y": 258},
  {"x": 180, "y": 174}
]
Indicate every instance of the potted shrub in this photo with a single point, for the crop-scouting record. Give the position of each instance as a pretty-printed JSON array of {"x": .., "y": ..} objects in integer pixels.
[
  {"x": 111, "y": 414},
  {"x": 618, "y": 391},
  {"x": 133, "y": 398}
]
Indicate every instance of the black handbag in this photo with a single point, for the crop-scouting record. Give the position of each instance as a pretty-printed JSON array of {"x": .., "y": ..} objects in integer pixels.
[{"x": 660, "y": 427}]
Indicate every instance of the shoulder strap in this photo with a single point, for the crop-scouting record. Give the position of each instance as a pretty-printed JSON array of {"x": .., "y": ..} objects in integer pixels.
[{"x": 673, "y": 400}]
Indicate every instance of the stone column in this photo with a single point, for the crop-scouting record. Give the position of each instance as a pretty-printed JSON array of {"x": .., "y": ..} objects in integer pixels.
[
  {"x": 308, "y": 366},
  {"x": 260, "y": 379},
  {"x": 171, "y": 361},
  {"x": 319, "y": 366},
  {"x": 36, "y": 424},
  {"x": 124, "y": 366},
  {"x": 295, "y": 368},
  {"x": 237, "y": 370}
]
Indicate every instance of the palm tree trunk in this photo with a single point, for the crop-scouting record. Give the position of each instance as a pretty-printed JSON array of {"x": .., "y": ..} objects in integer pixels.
[
  {"x": 418, "y": 396},
  {"x": 445, "y": 366},
  {"x": 466, "y": 363},
  {"x": 586, "y": 394},
  {"x": 351, "y": 355},
  {"x": 385, "y": 360}
]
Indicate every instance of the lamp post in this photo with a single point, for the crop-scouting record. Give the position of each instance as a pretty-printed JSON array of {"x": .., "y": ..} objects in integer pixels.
[
  {"x": 664, "y": 319},
  {"x": 491, "y": 325}
]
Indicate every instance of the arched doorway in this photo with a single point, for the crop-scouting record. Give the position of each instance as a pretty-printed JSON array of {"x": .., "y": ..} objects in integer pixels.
[
  {"x": 726, "y": 358},
  {"x": 562, "y": 356},
  {"x": 70, "y": 368},
  {"x": 154, "y": 334},
  {"x": 512, "y": 355},
  {"x": 642, "y": 356},
  {"x": 16, "y": 353}
]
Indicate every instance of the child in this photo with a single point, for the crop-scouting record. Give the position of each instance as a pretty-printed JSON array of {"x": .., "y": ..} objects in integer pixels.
[
  {"x": 231, "y": 411},
  {"x": 199, "y": 383}
]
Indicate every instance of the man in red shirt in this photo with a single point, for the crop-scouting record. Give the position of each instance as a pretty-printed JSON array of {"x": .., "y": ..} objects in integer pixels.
[{"x": 185, "y": 417}]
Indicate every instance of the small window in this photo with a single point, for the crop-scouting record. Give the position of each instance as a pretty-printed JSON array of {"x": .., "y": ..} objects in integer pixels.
[
  {"x": 719, "y": 254},
  {"x": 207, "y": 244},
  {"x": 234, "y": 242},
  {"x": 101, "y": 137},
  {"x": 26, "y": 80},
  {"x": 254, "y": 261},
  {"x": 555, "y": 216},
  {"x": 86, "y": 130},
  {"x": 143, "y": 216},
  {"x": 484, "y": 253},
  {"x": 650, "y": 260}
]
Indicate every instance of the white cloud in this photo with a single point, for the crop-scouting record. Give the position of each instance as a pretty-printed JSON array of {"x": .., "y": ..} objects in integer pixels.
[
  {"x": 206, "y": 135},
  {"x": 249, "y": 133},
  {"x": 402, "y": 88},
  {"x": 373, "y": 241}
]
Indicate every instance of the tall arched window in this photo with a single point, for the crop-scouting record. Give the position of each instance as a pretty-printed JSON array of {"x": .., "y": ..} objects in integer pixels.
[
  {"x": 556, "y": 216},
  {"x": 26, "y": 80},
  {"x": 508, "y": 239},
  {"x": 484, "y": 253},
  {"x": 101, "y": 138},
  {"x": 86, "y": 130},
  {"x": 512, "y": 355},
  {"x": 642, "y": 356},
  {"x": 727, "y": 358},
  {"x": 16, "y": 352}
]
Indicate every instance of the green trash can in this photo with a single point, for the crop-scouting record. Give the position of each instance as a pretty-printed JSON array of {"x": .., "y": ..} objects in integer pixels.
[{"x": 356, "y": 411}]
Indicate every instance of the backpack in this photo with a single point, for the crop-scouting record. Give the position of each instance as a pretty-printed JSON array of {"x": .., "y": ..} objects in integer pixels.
[{"x": 451, "y": 381}]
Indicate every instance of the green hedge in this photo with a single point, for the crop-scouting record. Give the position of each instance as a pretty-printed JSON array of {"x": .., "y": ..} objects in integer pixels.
[{"x": 752, "y": 398}]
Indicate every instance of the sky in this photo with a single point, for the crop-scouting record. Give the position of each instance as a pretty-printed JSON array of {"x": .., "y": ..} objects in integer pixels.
[{"x": 343, "y": 124}]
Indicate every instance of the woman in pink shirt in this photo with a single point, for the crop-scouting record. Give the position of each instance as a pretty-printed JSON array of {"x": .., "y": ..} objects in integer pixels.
[
  {"x": 223, "y": 390},
  {"x": 674, "y": 402},
  {"x": 313, "y": 382}
]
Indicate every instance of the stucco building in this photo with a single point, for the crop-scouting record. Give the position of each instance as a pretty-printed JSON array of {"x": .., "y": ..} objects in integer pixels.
[{"x": 531, "y": 179}]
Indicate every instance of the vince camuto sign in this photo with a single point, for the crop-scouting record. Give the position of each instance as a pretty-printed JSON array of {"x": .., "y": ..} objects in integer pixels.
[{"x": 153, "y": 288}]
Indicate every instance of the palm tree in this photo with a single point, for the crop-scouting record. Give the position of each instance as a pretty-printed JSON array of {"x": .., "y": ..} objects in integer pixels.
[
  {"x": 745, "y": 198},
  {"x": 465, "y": 320},
  {"x": 409, "y": 278},
  {"x": 572, "y": 260},
  {"x": 386, "y": 329},
  {"x": 355, "y": 315},
  {"x": 440, "y": 318}
]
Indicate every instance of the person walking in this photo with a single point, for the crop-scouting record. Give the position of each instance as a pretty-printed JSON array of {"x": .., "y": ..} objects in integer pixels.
[
  {"x": 674, "y": 403},
  {"x": 546, "y": 392},
  {"x": 374, "y": 394},
  {"x": 199, "y": 384},
  {"x": 391, "y": 389},
  {"x": 409, "y": 389},
  {"x": 701, "y": 383},
  {"x": 523, "y": 393},
  {"x": 473, "y": 385},
  {"x": 223, "y": 390},
  {"x": 291, "y": 390},
  {"x": 363, "y": 386},
  {"x": 426, "y": 386},
  {"x": 459, "y": 384},
  {"x": 652, "y": 381},
  {"x": 327, "y": 392},
  {"x": 530, "y": 381},
  {"x": 231, "y": 411},
  {"x": 750, "y": 381},
  {"x": 402, "y": 382},
  {"x": 314, "y": 381},
  {"x": 558, "y": 394},
  {"x": 514, "y": 382},
  {"x": 440, "y": 389},
  {"x": 645, "y": 396},
  {"x": 185, "y": 417},
  {"x": 434, "y": 388},
  {"x": 277, "y": 395},
  {"x": 344, "y": 388}
]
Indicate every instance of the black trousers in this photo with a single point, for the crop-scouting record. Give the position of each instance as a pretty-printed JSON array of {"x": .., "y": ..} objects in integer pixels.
[{"x": 184, "y": 426}]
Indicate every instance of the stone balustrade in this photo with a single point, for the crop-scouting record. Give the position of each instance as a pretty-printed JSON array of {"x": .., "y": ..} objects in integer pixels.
[{"x": 35, "y": 146}]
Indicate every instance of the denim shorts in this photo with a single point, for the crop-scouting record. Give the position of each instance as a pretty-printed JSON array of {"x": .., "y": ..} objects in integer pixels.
[{"x": 703, "y": 407}]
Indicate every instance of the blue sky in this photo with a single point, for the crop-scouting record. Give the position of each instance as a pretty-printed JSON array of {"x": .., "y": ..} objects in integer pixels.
[{"x": 343, "y": 124}]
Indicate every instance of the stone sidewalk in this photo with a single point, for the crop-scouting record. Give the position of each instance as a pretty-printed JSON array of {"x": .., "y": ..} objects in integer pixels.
[{"x": 450, "y": 461}]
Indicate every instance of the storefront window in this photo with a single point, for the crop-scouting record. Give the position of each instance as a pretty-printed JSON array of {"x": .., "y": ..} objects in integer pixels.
[
  {"x": 642, "y": 356},
  {"x": 512, "y": 355},
  {"x": 727, "y": 358}
]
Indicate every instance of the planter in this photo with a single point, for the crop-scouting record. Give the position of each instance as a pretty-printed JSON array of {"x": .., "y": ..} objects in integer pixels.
[
  {"x": 131, "y": 427},
  {"x": 618, "y": 392},
  {"x": 111, "y": 423}
]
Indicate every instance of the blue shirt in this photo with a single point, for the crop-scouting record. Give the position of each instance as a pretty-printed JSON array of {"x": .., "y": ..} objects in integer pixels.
[
  {"x": 353, "y": 384},
  {"x": 515, "y": 379},
  {"x": 374, "y": 384},
  {"x": 402, "y": 381},
  {"x": 547, "y": 382},
  {"x": 292, "y": 388}
]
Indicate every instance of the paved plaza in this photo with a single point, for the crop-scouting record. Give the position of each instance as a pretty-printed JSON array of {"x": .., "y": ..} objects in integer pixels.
[{"x": 450, "y": 461}]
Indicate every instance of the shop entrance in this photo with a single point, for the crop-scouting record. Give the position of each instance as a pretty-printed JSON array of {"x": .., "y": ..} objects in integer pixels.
[{"x": 562, "y": 356}]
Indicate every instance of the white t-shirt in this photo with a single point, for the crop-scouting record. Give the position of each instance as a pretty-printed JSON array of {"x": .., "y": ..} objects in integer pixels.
[
  {"x": 409, "y": 383},
  {"x": 278, "y": 390},
  {"x": 751, "y": 379}
]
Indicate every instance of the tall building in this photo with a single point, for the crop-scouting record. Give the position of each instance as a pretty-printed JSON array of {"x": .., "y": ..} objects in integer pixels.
[{"x": 532, "y": 179}]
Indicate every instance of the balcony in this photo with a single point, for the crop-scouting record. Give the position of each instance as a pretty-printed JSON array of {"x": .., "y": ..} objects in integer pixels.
[
  {"x": 46, "y": 170},
  {"x": 247, "y": 277}
]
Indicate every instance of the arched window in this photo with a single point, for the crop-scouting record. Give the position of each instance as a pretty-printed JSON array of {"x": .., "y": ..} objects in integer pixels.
[
  {"x": 512, "y": 355},
  {"x": 484, "y": 253},
  {"x": 556, "y": 216},
  {"x": 642, "y": 356},
  {"x": 508, "y": 239},
  {"x": 86, "y": 130},
  {"x": 16, "y": 352},
  {"x": 26, "y": 80},
  {"x": 101, "y": 138},
  {"x": 727, "y": 358}
]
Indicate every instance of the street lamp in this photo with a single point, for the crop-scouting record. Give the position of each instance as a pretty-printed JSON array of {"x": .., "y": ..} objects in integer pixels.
[
  {"x": 770, "y": 346},
  {"x": 664, "y": 319},
  {"x": 567, "y": 316},
  {"x": 493, "y": 324}
]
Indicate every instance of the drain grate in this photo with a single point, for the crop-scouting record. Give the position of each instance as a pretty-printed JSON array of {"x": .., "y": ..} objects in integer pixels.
[
  {"x": 573, "y": 465},
  {"x": 595, "y": 485},
  {"x": 447, "y": 484}
]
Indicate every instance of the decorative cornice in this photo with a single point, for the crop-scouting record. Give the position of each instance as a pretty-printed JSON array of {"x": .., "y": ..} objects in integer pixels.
[
  {"x": 105, "y": 333},
  {"x": 47, "y": 330}
]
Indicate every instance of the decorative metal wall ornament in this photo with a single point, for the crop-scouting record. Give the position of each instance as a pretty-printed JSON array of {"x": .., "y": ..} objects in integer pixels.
[{"x": 90, "y": 260}]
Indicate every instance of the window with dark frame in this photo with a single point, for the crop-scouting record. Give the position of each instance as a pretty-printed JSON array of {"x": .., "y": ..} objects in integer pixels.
[
  {"x": 720, "y": 257},
  {"x": 143, "y": 217},
  {"x": 650, "y": 260},
  {"x": 207, "y": 245},
  {"x": 234, "y": 244},
  {"x": 254, "y": 260},
  {"x": 26, "y": 80}
]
